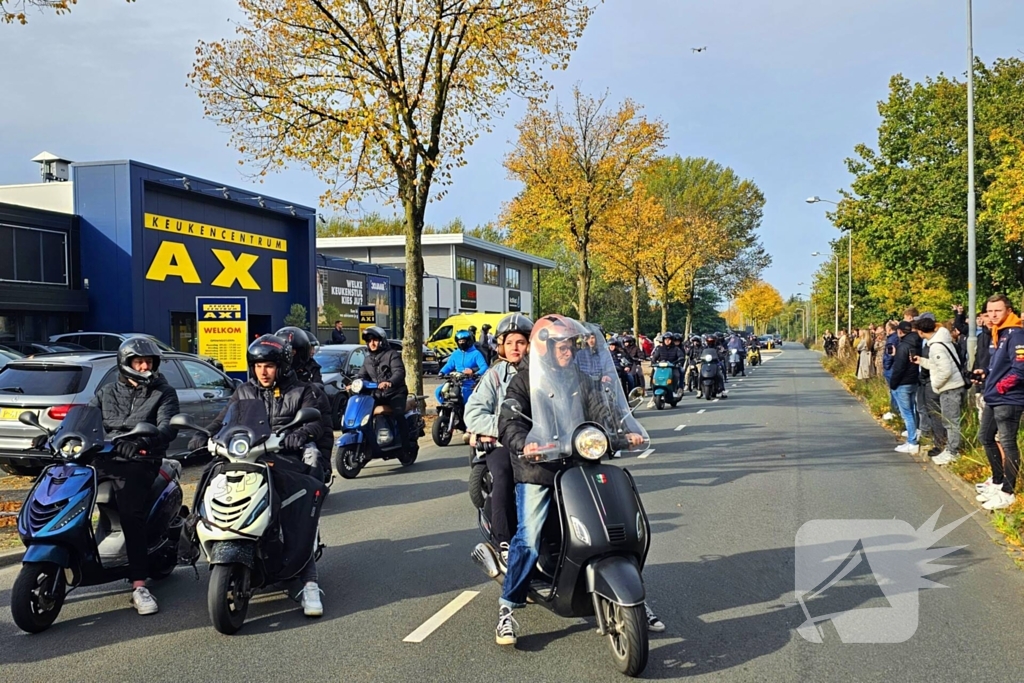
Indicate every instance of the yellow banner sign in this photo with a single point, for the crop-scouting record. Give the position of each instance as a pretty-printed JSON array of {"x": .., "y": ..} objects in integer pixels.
[
  {"x": 213, "y": 232},
  {"x": 223, "y": 330}
]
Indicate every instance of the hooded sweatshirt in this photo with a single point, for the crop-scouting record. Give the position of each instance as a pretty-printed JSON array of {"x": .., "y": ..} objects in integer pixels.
[
  {"x": 941, "y": 362},
  {"x": 903, "y": 370},
  {"x": 1004, "y": 383}
]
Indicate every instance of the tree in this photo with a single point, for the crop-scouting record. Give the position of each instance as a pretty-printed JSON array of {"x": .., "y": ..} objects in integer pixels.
[
  {"x": 15, "y": 11},
  {"x": 576, "y": 164},
  {"x": 297, "y": 316},
  {"x": 759, "y": 303},
  {"x": 380, "y": 96}
]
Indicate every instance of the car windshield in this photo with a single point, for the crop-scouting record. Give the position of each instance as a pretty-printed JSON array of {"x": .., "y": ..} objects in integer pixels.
[
  {"x": 42, "y": 380},
  {"x": 331, "y": 362}
]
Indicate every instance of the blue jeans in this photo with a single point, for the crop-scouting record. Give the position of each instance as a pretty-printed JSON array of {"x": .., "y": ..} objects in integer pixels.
[
  {"x": 906, "y": 401},
  {"x": 532, "y": 501}
]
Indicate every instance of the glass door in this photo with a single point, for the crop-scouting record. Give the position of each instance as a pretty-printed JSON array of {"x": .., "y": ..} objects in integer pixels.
[{"x": 183, "y": 331}]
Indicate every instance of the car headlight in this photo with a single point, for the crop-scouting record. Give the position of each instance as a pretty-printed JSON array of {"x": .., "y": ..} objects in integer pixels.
[
  {"x": 239, "y": 447},
  {"x": 357, "y": 386},
  {"x": 591, "y": 443}
]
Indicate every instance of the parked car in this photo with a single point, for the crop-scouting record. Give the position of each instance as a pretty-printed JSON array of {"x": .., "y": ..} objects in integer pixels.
[
  {"x": 767, "y": 341},
  {"x": 431, "y": 366},
  {"x": 51, "y": 385},
  {"x": 34, "y": 348},
  {"x": 111, "y": 341},
  {"x": 10, "y": 354}
]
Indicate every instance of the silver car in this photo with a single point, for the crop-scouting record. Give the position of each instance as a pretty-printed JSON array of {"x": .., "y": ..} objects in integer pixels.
[{"x": 51, "y": 385}]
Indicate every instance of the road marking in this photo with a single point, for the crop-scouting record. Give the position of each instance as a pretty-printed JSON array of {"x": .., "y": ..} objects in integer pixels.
[
  {"x": 645, "y": 454},
  {"x": 701, "y": 411},
  {"x": 680, "y": 428},
  {"x": 741, "y": 380},
  {"x": 446, "y": 613},
  {"x": 714, "y": 400}
]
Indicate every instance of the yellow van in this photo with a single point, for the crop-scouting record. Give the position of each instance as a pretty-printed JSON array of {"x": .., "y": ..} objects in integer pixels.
[{"x": 443, "y": 339}]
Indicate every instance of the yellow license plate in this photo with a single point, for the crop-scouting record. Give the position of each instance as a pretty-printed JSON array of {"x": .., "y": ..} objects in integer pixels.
[{"x": 11, "y": 413}]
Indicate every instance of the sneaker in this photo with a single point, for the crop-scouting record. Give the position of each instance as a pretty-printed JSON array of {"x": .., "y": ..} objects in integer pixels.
[
  {"x": 503, "y": 557},
  {"x": 650, "y": 404},
  {"x": 934, "y": 452},
  {"x": 887, "y": 416},
  {"x": 311, "y": 605},
  {"x": 911, "y": 448},
  {"x": 944, "y": 458},
  {"x": 983, "y": 485},
  {"x": 143, "y": 601},
  {"x": 505, "y": 631},
  {"x": 654, "y": 624},
  {"x": 989, "y": 493},
  {"x": 999, "y": 501}
]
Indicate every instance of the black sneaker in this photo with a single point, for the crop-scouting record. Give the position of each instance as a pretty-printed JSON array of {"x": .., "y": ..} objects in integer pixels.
[
  {"x": 934, "y": 451},
  {"x": 505, "y": 631},
  {"x": 654, "y": 624}
]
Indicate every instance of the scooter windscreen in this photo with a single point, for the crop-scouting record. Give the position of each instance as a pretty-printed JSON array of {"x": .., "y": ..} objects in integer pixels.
[
  {"x": 594, "y": 359},
  {"x": 563, "y": 397},
  {"x": 247, "y": 418},
  {"x": 81, "y": 431}
]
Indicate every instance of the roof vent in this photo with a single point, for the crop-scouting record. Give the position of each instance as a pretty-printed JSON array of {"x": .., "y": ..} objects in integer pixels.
[{"x": 52, "y": 168}]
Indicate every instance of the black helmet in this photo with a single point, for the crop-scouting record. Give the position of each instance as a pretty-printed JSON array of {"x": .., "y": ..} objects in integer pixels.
[
  {"x": 270, "y": 349},
  {"x": 314, "y": 343},
  {"x": 302, "y": 350},
  {"x": 513, "y": 322},
  {"x": 138, "y": 347},
  {"x": 374, "y": 333}
]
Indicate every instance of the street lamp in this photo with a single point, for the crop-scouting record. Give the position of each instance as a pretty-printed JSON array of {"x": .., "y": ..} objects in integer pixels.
[
  {"x": 849, "y": 274},
  {"x": 972, "y": 263}
]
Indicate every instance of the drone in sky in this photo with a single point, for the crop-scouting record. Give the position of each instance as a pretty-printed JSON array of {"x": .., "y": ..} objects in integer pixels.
[{"x": 699, "y": 49}]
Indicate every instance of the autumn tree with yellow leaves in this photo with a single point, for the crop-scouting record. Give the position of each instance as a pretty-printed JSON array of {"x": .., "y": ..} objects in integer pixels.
[
  {"x": 17, "y": 11},
  {"x": 577, "y": 163},
  {"x": 759, "y": 303},
  {"x": 380, "y": 96}
]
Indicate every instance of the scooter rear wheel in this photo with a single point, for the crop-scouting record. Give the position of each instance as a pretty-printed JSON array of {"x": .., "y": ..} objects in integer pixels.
[
  {"x": 228, "y": 597},
  {"x": 34, "y": 606},
  {"x": 409, "y": 457},
  {"x": 627, "y": 636}
]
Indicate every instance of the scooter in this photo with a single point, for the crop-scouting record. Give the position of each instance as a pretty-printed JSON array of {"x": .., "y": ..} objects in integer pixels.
[
  {"x": 450, "y": 410},
  {"x": 735, "y": 362},
  {"x": 250, "y": 537},
  {"x": 692, "y": 375},
  {"x": 662, "y": 382},
  {"x": 63, "y": 549},
  {"x": 594, "y": 569},
  {"x": 709, "y": 371},
  {"x": 754, "y": 356},
  {"x": 370, "y": 432}
]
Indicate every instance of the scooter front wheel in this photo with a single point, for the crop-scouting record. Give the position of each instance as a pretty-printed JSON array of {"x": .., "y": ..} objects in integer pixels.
[
  {"x": 627, "y": 636},
  {"x": 659, "y": 402},
  {"x": 37, "y": 596},
  {"x": 440, "y": 433},
  {"x": 347, "y": 462},
  {"x": 228, "y": 597}
]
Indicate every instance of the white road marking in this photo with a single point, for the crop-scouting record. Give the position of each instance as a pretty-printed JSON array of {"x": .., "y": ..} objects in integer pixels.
[
  {"x": 680, "y": 428},
  {"x": 446, "y": 613},
  {"x": 645, "y": 454},
  {"x": 742, "y": 380},
  {"x": 701, "y": 411},
  {"x": 714, "y": 400}
]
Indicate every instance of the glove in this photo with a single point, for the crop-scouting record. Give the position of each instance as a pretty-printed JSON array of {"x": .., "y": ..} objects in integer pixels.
[
  {"x": 198, "y": 440},
  {"x": 294, "y": 441},
  {"x": 126, "y": 448}
]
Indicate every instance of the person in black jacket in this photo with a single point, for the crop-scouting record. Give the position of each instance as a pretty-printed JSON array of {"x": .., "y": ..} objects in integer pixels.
[
  {"x": 384, "y": 366},
  {"x": 670, "y": 352},
  {"x": 308, "y": 370},
  {"x": 140, "y": 394},
  {"x": 553, "y": 346},
  {"x": 338, "y": 334},
  {"x": 903, "y": 382}
]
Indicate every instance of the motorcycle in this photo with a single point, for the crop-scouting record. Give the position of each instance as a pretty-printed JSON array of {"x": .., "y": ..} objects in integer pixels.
[
  {"x": 754, "y": 356},
  {"x": 369, "y": 431},
  {"x": 594, "y": 569},
  {"x": 662, "y": 385},
  {"x": 63, "y": 549},
  {"x": 709, "y": 371},
  {"x": 735, "y": 362},
  {"x": 450, "y": 410},
  {"x": 253, "y": 531}
]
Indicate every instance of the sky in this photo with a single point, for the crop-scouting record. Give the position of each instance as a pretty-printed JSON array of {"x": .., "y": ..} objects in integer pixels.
[{"x": 782, "y": 95}]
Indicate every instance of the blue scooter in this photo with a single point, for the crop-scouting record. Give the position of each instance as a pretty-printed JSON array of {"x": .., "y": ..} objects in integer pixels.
[
  {"x": 666, "y": 388},
  {"x": 64, "y": 551},
  {"x": 369, "y": 431}
]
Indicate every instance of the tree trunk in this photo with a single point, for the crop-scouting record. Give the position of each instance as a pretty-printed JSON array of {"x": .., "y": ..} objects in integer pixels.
[
  {"x": 412, "y": 341},
  {"x": 636, "y": 305},
  {"x": 584, "y": 287},
  {"x": 664, "y": 313}
]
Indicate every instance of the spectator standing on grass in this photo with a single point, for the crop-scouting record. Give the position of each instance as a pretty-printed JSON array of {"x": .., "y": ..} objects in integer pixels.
[
  {"x": 903, "y": 383},
  {"x": 864, "y": 345},
  {"x": 909, "y": 314},
  {"x": 947, "y": 384},
  {"x": 891, "y": 341},
  {"x": 1004, "y": 404},
  {"x": 878, "y": 352},
  {"x": 927, "y": 400},
  {"x": 844, "y": 346}
]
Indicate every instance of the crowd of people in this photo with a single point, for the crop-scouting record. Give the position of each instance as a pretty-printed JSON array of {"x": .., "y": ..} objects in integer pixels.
[{"x": 925, "y": 365}]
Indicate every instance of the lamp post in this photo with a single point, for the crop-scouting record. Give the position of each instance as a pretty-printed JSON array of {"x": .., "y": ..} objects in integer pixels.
[
  {"x": 849, "y": 274},
  {"x": 972, "y": 264}
]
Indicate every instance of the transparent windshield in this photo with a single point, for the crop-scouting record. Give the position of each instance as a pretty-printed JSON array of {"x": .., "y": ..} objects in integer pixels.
[
  {"x": 84, "y": 424},
  {"x": 594, "y": 358},
  {"x": 249, "y": 417},
  {"x": 563, "y": 396}
]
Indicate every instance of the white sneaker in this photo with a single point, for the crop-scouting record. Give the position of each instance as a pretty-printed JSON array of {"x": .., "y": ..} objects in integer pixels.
[
  {"x": 904, "y": 434},
  {"x": 887, "y": 416},
  {"x": 311, "y": 605},
  {"x": 944, "y": 458},
  {"x": 983, "y": 485},
  {"x": 143, "y": 601},
  {"x": 988, "y": 493},
  {"x": 650, "y": 404},
  {"x": 908, "y": 448},
  {"x": 999, "y": 501}
]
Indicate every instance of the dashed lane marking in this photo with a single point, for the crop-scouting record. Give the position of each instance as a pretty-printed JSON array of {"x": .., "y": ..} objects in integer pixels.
[
  {"x": 680, "y": 428},
  {"x": 446, "y": 613},
  {"x": 701, "y": 411},
  {"x": 645, "y": 454},
  {"x": 714, "y": 400}
]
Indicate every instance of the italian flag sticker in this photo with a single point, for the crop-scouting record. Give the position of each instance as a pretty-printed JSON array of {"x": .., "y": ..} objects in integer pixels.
[{"x": 600, "y": 479}]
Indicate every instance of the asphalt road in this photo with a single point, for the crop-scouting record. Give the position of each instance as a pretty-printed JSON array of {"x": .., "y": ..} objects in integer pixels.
[{"x": 726, "y": 495}]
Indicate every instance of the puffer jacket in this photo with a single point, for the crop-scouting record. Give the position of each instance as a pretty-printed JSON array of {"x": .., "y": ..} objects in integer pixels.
[
  {"x": 941, "y": 362},
  {"x": 481, "y": 414},
  {"x": 385, "y": 365},
  {"x": 124, "y": 406},
  {"x": 1004, "y": 381},
  {"x": 282, "y": 401},
  {"x": 670, "y": 354},
  {"x": 904, "y": 372},
  {"x": 310, "y": 374}
]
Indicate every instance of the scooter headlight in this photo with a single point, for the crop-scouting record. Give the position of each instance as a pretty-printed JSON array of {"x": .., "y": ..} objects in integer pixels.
[
  {"x": 357, "y": 386},
  {"x": 366, "y": 420},
  {"x": 239, "y": 447},
  {"x": 591, "y": 443},
  {"x": 579, "y": 530}
]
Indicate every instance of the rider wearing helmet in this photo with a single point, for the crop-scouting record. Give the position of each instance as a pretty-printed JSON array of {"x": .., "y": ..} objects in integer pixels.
[
  {"x": 384, "y": 366},
  {"x": 513, "y": 340},
  {"x": 467, "y": 359},
  {"x": 140, "y": 394},
  {"x": 669, "y": 352},
  {"x": 554, "y": 341},
  {"x": 307, "y": 370}
]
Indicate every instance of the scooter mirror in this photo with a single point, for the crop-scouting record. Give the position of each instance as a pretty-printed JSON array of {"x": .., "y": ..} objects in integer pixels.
[
  {"x": 32, "y": 420},
  {"x": 304, "y": 416},
  {"x": 635, "y": 398},
  {"x": 141, "y": 429},
  {"x": 184, "y": 421}
]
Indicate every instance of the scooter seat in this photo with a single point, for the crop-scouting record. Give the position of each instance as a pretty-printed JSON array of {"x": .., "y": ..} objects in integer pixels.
[{"x": 382, "y": 410}]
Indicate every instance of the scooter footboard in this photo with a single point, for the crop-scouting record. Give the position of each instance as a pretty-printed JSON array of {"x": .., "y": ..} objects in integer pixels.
[
  {"x": 232, "y": 552},
  {"x": 616, "y": 579}
]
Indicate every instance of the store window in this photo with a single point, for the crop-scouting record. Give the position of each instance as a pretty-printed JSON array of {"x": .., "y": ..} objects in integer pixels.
[
  {"x": 31, "y": 255},
  {"x": 465, "y": 268},
  {"x": 491, "y": 274},
  {"x": 512, "y": 278}
]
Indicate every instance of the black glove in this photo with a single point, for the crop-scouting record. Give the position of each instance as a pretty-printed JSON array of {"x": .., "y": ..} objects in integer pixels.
[
  {"x": 39, "y": 443},
  {"x": 126, "y": 448},
  {"x": 198, "y": 440},
  {"x": 294, "y": 441}
]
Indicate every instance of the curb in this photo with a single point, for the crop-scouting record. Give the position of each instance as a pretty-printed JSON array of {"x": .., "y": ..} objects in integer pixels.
[{"x": 11, "y": 557}]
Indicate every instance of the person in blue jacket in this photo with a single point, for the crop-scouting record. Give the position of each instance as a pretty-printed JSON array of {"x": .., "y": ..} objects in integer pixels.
[{"x": 466, "y": 359}]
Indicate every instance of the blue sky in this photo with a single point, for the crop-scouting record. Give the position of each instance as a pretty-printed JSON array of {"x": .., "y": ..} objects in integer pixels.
[{"x": 783, "y": 93}]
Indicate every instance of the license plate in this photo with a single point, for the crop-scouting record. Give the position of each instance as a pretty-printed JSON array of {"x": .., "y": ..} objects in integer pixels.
[{"x": 11, "y": 413}]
